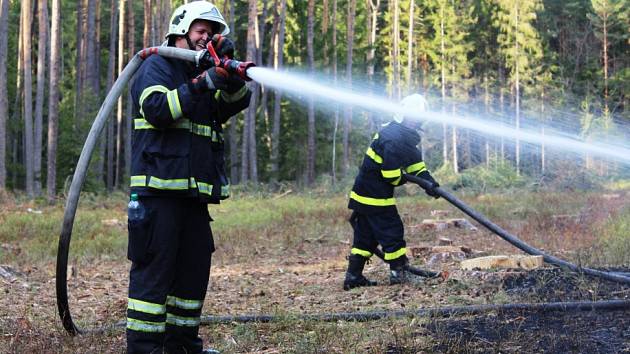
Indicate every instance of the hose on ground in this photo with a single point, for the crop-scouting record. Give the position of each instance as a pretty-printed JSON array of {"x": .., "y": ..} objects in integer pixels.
[
  {"x": 515, "y": 241},
  {"x": 82, "y": 166}
]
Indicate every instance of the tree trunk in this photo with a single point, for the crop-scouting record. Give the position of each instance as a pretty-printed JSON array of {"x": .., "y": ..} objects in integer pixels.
[
  {"x": 39, "y": 96},
  {"x": 146, "y": 34},
  {"x": 79, "y": 63},
  {"x": 517, "y": 95},
  {"x": 131, "y": 47},
  {"x": 4, "y": 95},
  {"x": 396, "y": 49},
  {"x": 454, "y": 128},
  {"x": 233, "y": 133},
  {"x": 348, "y": 111},
  {"x": 336, "y": 114},
  {"x": 111, "y": 63},
  {"x": 372, "y": 18},
  {"x": 310, "y": 149},
  {"x": 119, "y": 116},
  {"x": 53, "y": 99},
  {"x": 28, "y": 97},
  {"x": 486, "y": 103},
  {"x": 443, "y": 86},
  {"x": 410, "y": 55},
  {"x": 91, "y": 55},
  {"x": 250, "y": 171},
  {"x": 278, "y": 63}
]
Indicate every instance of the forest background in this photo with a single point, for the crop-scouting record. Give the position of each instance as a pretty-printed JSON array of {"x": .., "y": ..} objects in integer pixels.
[{"x": 542, "y": 64}]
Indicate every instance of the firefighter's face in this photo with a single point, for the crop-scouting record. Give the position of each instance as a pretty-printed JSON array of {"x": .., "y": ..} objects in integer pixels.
[{"x": 200, "y": 33}]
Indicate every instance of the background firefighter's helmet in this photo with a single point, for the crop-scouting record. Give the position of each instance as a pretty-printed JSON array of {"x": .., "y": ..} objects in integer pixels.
[
  {"x": 184, "y": 16},
  {"x": 414, "y": 102}
]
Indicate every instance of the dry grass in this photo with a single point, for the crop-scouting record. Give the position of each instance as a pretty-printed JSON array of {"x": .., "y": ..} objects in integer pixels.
[{"x": 286, "y": 256}]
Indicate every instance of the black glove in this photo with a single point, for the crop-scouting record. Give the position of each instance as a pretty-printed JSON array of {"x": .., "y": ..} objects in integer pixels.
[
  {"x": 223, "y": 46},
  {"x": 234, "y": 84},
  {"x": 425, "y": 175},
  {"x": 212, "y": 79}
]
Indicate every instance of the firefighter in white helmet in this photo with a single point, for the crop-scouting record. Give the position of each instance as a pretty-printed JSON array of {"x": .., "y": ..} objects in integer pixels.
[
  {"x": 375, "y": 220},
  {"x": 177, "y": 168}
]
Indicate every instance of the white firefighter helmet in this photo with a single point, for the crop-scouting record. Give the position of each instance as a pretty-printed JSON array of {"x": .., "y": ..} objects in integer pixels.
[
  {"x": 414, "y": 102},
  {"x": 184, "y": 16}
]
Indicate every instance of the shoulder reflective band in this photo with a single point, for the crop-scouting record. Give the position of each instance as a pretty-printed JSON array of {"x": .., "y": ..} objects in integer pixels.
[
  {"x": 182, "y": 321},
  {"x": 416, "y": 168},
  {"x": 146, "y": 307},
  {"x": 391, "y": 173},
  {"x": 401, "y": 252},
  {"x": 145, "y": 326},
  {"x": 361, "y": 252},
  {"x": 232, "y": 97},
  {"x": 183, "y": 303},
  {"x": 372, "y": 201},
  {"x": 148, "y": 91},
  {"x": 173, "y": 104},
  {"x": 373, "y": 155}
]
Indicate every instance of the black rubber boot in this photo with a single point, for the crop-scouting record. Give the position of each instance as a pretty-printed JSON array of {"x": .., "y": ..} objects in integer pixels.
[
  {"x": 399, "y": 272},
  {"x": 354, "y": 275}
]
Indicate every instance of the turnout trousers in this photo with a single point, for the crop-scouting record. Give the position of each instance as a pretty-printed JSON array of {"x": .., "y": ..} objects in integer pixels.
[
  {"x": 385, "y": 229},
  {"x": 170, "y": 251}
]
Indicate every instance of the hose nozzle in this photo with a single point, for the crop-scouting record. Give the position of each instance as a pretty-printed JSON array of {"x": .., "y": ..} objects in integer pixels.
[{"x": 238, "y": 67}]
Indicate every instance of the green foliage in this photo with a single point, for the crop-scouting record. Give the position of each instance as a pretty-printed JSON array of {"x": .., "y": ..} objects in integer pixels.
[{"x": 482, "y": 178}]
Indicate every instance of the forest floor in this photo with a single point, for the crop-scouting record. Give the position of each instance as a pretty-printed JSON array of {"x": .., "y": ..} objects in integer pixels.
[{"x": 290, "y": 260}]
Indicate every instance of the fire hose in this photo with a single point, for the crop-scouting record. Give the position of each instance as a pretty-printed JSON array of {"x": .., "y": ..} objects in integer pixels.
[
  {"x": 515, "y": 241},
  {"x": 200, "y": 58}
]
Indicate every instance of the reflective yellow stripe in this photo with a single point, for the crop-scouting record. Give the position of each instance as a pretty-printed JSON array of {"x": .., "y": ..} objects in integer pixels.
[
  {"x": 396, "y": 181},
  {"x": 141, "y": 123},
  {"x": 391, "y": 173},
  {"x": 375, "y": 136},
  {"x": 146, "y": 307},
  {"x": 148, "y": 91},
  {"x": 138, "y": 181},
  {"x": 372, "y": 201},
  {"x": 145, "y": 326},
  {"x": 184, "y": 303},
  {"x": 204, "y": 188},
  {"x": 233, "y": 97},
  {"x": 394, "y": 255},
  {"x": 361, "y": 252},
  {"x": 168, "y": 184},
  {"x": 416, "y": 168},
  {"x": 173, "y": 104},
  {"x": 182, "y": 321},
  {"x": 203, "y": 130},
  {"x": 371, "y": 153}
]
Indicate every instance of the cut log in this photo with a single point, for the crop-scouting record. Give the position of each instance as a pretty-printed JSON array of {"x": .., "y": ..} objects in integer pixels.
[{"x": 512, "y": 261}]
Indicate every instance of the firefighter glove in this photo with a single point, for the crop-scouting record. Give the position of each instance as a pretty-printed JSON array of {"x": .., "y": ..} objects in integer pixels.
[
  {"x": 431, "y": 190},
  {"x": 223, "y": 46},
  {"x": 212, "y": 79},
  {"x": 234, "y": 84}
]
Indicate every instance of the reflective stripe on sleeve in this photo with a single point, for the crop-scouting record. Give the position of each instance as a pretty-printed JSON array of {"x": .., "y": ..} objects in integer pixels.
[
  {"x": 401, "y": 252},
  {"x": 372, "y": 201},
  {"x": 373, "y": 155},
  {"x": 146, "y": 307},
  {"x": 148, "y": 91},
  {"x": 361, "y": 252},
  {"x": 173, "y": 104},
  {"x": 141, "y": 123},
  {"x": 416, "y": 168},
  {"x": 391, "y": 173}
]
